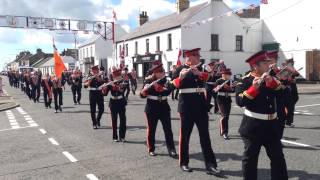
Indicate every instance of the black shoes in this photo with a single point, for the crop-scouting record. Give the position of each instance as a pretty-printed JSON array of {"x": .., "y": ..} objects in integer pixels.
[
  {"x": 173, "y": 154},
  {"x": 185, "y": 168},
  {"x": 98, "y": 123},
  {"x": 211, "y": 170},
  {"x": 60, "y": 108},
  {"x": 152, "y": 153},
  {"x": 115, "y": 140},
  {"x": 225, "y": 137},
  {"x": 123, "y": 140}
]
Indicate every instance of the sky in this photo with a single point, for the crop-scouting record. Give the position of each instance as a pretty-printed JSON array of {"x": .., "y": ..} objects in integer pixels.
[{"x": 12, "y": 41}]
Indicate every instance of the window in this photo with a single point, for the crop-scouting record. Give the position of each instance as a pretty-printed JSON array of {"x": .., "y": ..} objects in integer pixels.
[
  {"x": 87, "y": 52},
  {"x": 120, "y": 49},
  {"x": 136, "y": 47},
  {"x": 169, "y": 42},
  {"x": 127, "y": 50},
  {"x": 91, "y": 52},
  {"x": 239, "y": 42},
  {"x": 147, "y": 45},
  {"x": 80, "y": 54},
  {"x": 158, "y": 44},
  {"x": 214, "y": 42}
]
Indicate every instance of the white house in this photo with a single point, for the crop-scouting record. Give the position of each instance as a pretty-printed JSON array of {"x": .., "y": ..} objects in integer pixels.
[
  {"x": 225, "y": 38},
  {"x": 97, "y": 51},
  {"x": 292, "y": 26},
  {"x": 48, "y": 66}
]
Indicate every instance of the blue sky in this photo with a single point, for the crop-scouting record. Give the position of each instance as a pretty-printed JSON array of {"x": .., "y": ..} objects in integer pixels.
[{"x": 12, "y": 41}]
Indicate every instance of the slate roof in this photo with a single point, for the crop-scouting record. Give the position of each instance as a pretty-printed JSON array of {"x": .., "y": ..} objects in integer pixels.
[{"x": 164, "y": 23}]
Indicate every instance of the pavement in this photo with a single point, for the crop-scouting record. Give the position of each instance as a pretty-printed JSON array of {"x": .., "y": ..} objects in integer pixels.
[{"x": 37, "y": 143}]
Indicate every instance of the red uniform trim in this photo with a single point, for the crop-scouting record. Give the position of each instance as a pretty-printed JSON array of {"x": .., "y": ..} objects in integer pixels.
[
  {"x": 251, "y": 93},
  {"x": 177, "y": 82},
  {"x": 148, "y": 132},
  {"x": 204, "y": 76}
]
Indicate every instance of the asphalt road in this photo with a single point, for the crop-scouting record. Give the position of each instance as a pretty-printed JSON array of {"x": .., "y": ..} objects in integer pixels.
[{"x": 36, "y": 143}]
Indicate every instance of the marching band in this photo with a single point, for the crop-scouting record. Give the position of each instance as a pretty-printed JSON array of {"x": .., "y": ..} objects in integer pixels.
[{"x": 267, "y": 93}]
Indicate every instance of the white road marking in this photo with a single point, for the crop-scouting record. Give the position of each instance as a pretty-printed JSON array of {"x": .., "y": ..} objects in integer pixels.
[
  {"x": 295, "y": 143},
  {"x": 43, "y": 131},
  {"x": 69, "y": 156},
  {"x": 1, "y": 130},
  {"x": 92, "y": 177},
  {"x": 15, "y": 127},
  {"x": 28, "y": 119},
  {"x": 53, "y": 141},
  {"x": 311, "y": 105},
  {"x": 34, "y": 125}
]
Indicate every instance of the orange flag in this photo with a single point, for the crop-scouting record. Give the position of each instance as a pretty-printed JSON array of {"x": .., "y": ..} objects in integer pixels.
[{"x": 59, "y": 66}]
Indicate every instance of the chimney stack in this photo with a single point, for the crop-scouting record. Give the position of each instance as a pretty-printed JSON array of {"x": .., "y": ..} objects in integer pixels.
[
  {"x": 182, "y": 5},
  {"x": 143, "y": 18}
]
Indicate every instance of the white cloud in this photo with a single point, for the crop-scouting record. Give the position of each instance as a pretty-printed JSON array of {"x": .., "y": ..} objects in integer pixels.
[
  {"x": 126, "y": 28},
  {"x": 235, "y": 4}
]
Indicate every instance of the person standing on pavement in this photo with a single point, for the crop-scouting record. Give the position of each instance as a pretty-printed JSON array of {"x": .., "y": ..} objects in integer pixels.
[
  {"x": 47, "y": 92},
  {"x": 57, "y": 93},
  {"x": 256, "y": 93},
  {"x": 93, "y": 84},
  {"x": 193, "y": 110},
  {"x": 223, "y": 90},
  {"x": 117, "y": 105},
  {"x": 157, "y": 108}
]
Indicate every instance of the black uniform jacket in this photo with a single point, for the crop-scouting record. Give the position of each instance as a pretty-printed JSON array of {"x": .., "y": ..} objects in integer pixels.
[
  {"x": 191, "y": 102},
  {"x": 157, "y": 106},
  {"x": 262, "y": 101}
]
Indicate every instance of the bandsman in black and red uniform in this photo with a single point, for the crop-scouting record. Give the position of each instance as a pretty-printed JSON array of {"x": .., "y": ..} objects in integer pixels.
[
  {"x": 290, "y": 83},
  {"x": 93, "y": 84},
  {"x": 157, "y": 108},
  {"x": 257, "y": 93},
  {"x": 192, "y": 107},
  {"x": 76, "y": 85},
  {"x": 210, "y": 85},
  {"x": 46, "y": 84},
  {"x": 224, "y": 87},
  {"x": 117, "y": 105}
]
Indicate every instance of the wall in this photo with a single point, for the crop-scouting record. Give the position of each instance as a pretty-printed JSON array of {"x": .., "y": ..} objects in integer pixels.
[
  {"x": 293, "y": 24},
  {"x": 168, "y": 56},
  {"x": 227, "y": 27}
]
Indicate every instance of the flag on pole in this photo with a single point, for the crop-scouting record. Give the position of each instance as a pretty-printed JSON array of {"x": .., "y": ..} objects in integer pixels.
[
  {"x": 114, "y": 15},
  {"x": 264, "y": 1},
  {"x": 59, "y": 66},
  {"x": 179, "y": 61}
]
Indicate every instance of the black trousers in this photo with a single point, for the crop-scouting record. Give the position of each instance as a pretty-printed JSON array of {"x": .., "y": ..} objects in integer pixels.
[
  {"x": 34, "y": 93},
  {"x": 47, "y": 99},
  {"x": 57, "y": 96},
  {"x": 134, "y": 86},
  {"x": 292, "y": 103},
  {"x": 152, "y": 120},
  {"x": 123, "y": 123},
  {"x": 127, "y": 90},
  {"x": 224, "y": 104},
  {"x": 28, "y": 91},
  {"x": 96, "y": 98},
  {"x": 76, "y": 93},
  {"x": 38, "y": 89},
  {"x": 201, "y": 120},
  {"x": 274, "y": 151}
]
